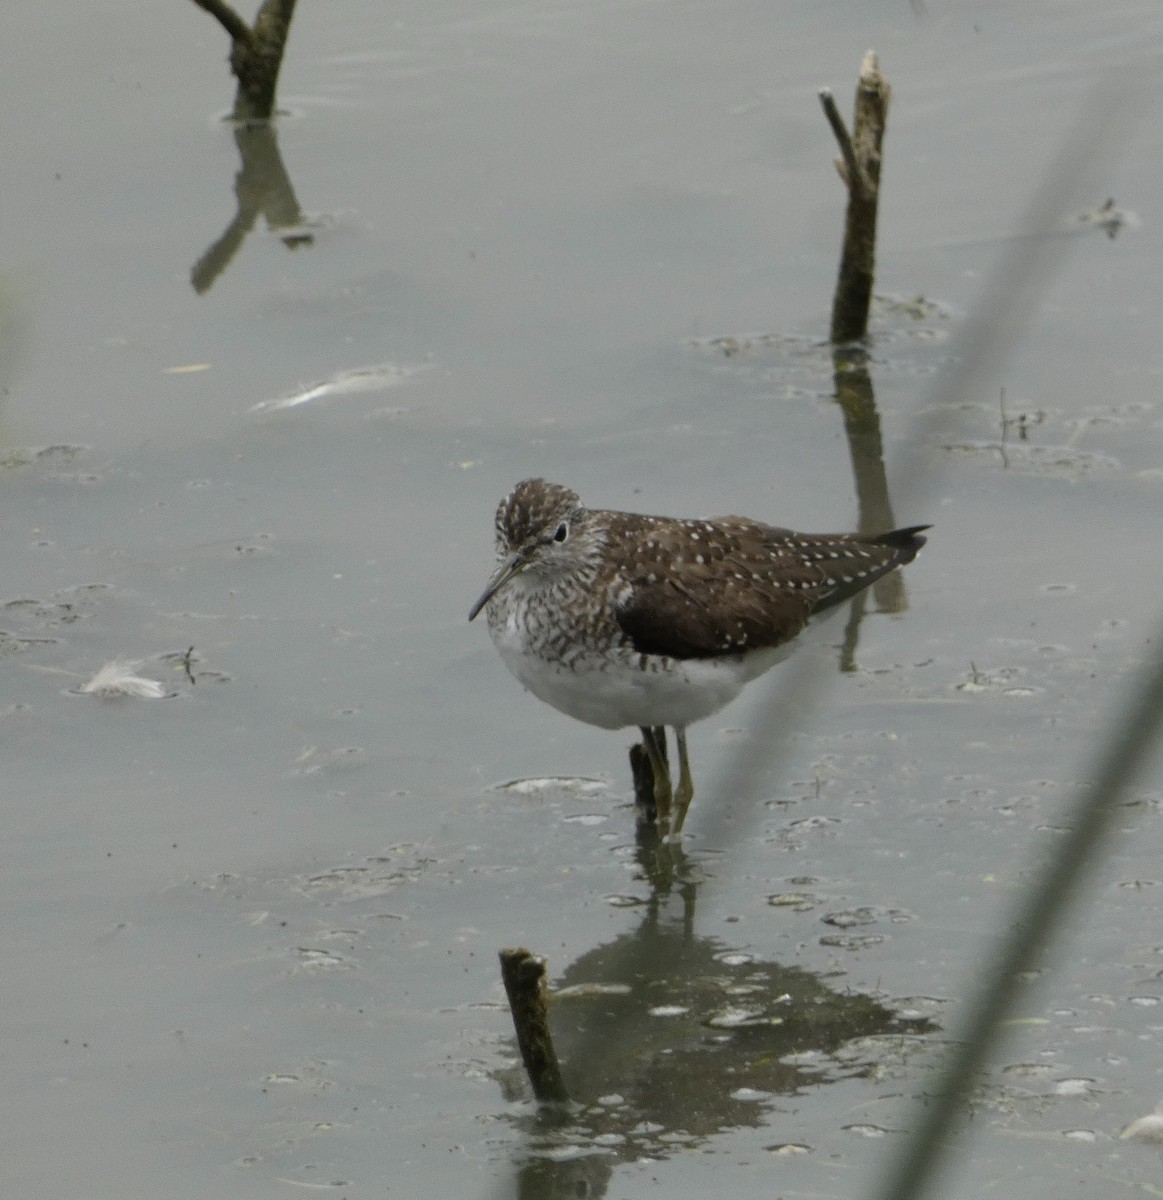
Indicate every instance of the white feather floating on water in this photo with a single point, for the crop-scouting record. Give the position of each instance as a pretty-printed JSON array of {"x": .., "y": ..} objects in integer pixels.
[
  {"x": 117, "y": 678},
  {"x": 1146, "y": 1129},
  {"x": 357, "y": 379}
]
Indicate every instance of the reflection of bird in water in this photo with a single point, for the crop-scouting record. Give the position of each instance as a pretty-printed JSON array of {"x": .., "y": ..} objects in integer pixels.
[
  {"x": 668, "y": 1037},
  {"x": 621, "y": 619}
]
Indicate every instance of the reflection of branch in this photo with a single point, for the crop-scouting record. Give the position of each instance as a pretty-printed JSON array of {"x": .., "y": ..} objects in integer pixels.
[
  {"x": 860, "y": 169},
  {"x": 261, "y": 187},
  {"x": 855, "y": 396},
  {"x": 852, "y": 631},
  {"x": 256, "y": 53}
]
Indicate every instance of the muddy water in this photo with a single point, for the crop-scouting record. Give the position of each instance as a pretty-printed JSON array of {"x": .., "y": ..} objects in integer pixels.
[{"x": 260, "y": 398}]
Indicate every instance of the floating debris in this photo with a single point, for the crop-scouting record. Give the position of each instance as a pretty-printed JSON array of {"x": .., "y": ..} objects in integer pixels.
[
  {"x": 1110, "y": 218},
  {"x": 734, "y": 958},
  {"x": 1146, "y": 1129},
  {"x": 358, "y": 379},
  {"x": 27, "y": 455},
  {"x": 591, "y": 989},
  {"x": 578, "y": 785},
  {"x": 797, "y": 901},
  {"x": 865, "y": 1129},
  {"x": 117, "y": 678},
  {"x": 740, "y": 1018}
]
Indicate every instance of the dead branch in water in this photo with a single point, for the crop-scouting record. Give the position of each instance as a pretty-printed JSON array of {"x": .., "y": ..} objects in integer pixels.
[
  {"x": 523, "y": 974},
  {"x": 256, "y": 53},
  {"x": 859, "y": 168}
]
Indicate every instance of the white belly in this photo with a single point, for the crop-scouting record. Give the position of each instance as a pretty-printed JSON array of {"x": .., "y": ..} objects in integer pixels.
[{"x": 631, "y": 689}]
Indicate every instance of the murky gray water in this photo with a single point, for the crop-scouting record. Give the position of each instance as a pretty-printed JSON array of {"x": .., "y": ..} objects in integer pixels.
[{"x": 250, "y": 930}]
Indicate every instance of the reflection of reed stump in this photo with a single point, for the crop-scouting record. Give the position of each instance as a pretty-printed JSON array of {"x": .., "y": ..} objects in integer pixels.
[
  {"x": 855, "y": 396},
  {"x": 859, "y": 167},
  {"x": 263, "y": 188}
]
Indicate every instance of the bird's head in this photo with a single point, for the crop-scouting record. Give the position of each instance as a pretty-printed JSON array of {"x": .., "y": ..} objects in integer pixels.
[{"x": 543, "y": 529}]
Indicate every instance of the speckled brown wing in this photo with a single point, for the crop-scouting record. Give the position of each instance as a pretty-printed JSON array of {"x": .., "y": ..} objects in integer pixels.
[
  {"x": 854, "y": 561},
  {"x": 701, "y": 589}
]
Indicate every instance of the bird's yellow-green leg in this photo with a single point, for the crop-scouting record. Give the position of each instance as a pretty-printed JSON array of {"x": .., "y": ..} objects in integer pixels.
[
  {"x": 654, "y": 742},
  {"x": 686, "y": 785}
]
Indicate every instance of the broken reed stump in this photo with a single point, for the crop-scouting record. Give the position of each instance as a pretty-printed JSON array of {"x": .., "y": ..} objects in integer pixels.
[
  {"x": 256, "y": 53},
  {"x": 859, "y": 168},
  {"x": 642, "y": 772},
  {"x": 643, "y": 775},
  {"x": 523, "y": 974}
]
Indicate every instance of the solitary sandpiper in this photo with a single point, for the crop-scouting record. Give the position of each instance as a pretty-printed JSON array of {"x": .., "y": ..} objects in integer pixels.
[{"x": 624, "y": 619}]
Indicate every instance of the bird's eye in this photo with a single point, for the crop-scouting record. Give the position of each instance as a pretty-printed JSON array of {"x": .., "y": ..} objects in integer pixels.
[{"x": 561, "y": 532}]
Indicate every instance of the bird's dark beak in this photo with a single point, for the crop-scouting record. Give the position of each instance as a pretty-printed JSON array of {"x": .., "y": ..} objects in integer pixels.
[{"x": 513, "y": 565}]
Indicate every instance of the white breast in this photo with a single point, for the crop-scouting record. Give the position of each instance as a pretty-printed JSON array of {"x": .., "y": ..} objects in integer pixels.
[{"x": 624, "y": 688}]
